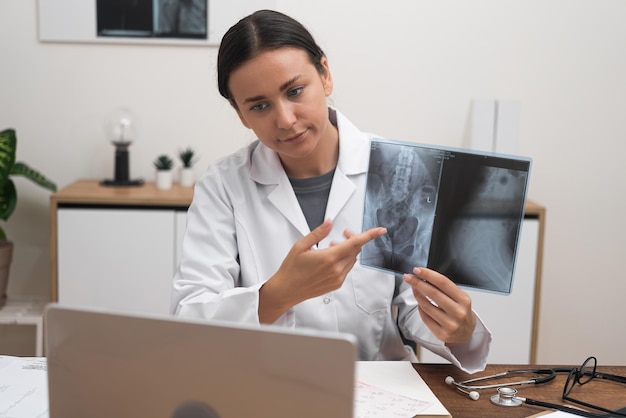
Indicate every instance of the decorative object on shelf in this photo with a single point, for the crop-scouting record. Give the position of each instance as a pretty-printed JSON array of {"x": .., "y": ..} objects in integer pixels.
[
  {"x": 186, "y": 172},
  {"x": 8, "y": 198},
  {"x": 163, "y": 165},
  {"x": 120, "y": 128}
]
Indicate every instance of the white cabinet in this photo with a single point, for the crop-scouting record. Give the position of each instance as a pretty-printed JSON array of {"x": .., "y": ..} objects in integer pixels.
[
  {"x": 122, "y": 258},
  {"x": 117, "y": 248},
  {"x": 511, "y": 318}
]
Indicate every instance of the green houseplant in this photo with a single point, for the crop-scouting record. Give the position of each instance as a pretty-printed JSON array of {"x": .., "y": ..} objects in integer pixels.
[
  {"x": 8, "y": 198},
  {"x": 186, "y": 157},
  {"x": 163, "y": 164},
  {"x": 186, "y": 172}
]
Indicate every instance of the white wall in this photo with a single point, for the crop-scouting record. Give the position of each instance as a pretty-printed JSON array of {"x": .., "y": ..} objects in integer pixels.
[{"x": 408, "y": 71}]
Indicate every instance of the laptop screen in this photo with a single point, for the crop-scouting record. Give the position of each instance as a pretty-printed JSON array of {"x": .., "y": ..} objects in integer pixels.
[{"x": 453, "y": 210}]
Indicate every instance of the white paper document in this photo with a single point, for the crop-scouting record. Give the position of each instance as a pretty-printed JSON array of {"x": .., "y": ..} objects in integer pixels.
[
  {"x": 393, "y": 389},
  {"x": 23, "y": 387}
]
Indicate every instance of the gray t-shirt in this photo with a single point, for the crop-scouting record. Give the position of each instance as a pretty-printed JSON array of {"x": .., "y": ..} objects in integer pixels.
[{"x": 312, "y": 194}]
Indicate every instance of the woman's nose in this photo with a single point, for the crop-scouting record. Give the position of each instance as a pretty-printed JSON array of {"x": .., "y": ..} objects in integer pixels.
[{"x": 285, "y": 116}]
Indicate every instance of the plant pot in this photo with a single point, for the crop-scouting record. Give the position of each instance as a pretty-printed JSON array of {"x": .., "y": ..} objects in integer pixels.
[
  {"x": 186, "y": 177},
  {"x": 164, "y": 179},
  {"x": 6, "y": 256}
]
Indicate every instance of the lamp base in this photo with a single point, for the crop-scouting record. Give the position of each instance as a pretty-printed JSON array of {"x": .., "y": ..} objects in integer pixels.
[{"x": 122, "y": 183}]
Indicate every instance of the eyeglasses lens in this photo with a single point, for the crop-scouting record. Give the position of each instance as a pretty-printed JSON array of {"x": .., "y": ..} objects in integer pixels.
[
  {"x": 587, "y": 371},
  {"x": 581, "y": 375}
]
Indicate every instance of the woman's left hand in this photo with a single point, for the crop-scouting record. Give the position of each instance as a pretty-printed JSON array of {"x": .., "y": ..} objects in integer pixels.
[{"x": 444, "y": 307}]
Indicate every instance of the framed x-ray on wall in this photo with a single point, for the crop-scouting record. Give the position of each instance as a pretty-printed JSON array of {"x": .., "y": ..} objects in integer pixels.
[{"x": 186, "y": 22}]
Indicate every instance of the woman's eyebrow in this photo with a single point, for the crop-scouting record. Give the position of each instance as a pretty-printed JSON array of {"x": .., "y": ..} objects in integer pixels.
[
  {"x": 282, "y": 88},
  {"x": 289, "y": 82}
]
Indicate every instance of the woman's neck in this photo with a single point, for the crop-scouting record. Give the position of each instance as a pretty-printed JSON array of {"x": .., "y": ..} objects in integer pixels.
[{"x": 321, "y": 160}]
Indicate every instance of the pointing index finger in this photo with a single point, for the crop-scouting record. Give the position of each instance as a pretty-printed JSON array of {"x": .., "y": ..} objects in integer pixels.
[{"x": 358, "y": 240}]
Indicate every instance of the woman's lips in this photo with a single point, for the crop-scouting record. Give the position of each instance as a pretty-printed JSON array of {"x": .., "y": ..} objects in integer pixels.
[{"x": 295, "y": 138}]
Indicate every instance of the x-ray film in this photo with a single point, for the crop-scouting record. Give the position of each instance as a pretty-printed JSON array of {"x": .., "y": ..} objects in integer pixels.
[{"x": 453, "y": 210}]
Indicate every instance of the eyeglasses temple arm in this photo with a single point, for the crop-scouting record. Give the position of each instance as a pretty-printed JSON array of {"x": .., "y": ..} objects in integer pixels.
[{"x": 573, "y": 411}]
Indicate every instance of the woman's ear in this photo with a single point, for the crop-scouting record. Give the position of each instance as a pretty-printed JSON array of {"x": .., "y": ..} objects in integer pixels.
[{"x": 327, "y": 77}]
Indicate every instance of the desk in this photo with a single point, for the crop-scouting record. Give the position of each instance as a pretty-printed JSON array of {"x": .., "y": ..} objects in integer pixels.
[{"x": 460, "y": 406}]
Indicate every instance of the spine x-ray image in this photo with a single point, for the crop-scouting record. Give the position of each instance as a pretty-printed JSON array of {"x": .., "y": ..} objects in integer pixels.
[{"x": 455, "y": 211}]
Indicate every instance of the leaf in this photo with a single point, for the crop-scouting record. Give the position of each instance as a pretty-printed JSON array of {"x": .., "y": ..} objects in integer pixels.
[
  {"x": 8, "y": 199},
  {"x": 21, "y": 169},
  {"x": 8, "y": 144},
  {"x": 186, "y": 156},
  {"x": 163, "y": 162}
]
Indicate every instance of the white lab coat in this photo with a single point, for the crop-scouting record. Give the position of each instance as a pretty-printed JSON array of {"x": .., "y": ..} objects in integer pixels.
[{"x": 243, "y": 221}]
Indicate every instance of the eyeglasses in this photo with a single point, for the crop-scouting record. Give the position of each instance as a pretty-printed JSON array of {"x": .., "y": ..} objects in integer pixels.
[{"x": 585, "y": 374}]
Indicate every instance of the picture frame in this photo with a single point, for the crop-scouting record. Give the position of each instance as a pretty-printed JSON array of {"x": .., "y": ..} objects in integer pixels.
[{"x": 84, "y": 21}]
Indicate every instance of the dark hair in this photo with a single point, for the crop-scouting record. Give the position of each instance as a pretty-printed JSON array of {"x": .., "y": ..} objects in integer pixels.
[{"x": 258, "y": 32}]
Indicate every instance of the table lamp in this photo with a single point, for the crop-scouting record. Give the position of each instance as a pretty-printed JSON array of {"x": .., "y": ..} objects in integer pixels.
[{"x": 120, "y": 129}]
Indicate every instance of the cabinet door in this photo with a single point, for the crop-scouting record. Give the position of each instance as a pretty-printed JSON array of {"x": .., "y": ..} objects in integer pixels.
[
  {"x": 181, "y": 226},
  {"x": 509, "y": 317},
  {"x": 119, "y": 259}
]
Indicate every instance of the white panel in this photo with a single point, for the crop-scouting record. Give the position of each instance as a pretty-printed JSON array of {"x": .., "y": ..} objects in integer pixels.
[
  {"x": 482, "y": 135},
  {"x": 509, "y": 317},
  {"x": 121, "y": 259},
  {"x": 181, "y": 226},
  {"x": 507, "y": 127},
  {"x": 67, "y": 20}
]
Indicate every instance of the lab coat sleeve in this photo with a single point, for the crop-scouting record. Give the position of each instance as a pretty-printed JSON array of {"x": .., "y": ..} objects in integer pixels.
[
  {"x": 207, "y": 283},
  {"x": 470, "y": 357}
]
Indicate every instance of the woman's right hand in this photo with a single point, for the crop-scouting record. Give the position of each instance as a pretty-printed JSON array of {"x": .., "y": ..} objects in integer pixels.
[{"x": 307, "y": 272}]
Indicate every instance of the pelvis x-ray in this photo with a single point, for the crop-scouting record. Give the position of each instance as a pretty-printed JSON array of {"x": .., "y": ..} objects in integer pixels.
[
  {"x": 401, "y": 196},
  {"x": 456, "y": 212}
]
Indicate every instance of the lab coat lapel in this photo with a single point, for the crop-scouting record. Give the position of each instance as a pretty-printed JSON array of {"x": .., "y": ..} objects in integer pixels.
[
  {"x": 266, "y": 169},
  {"x": 341, "y": 190},
  {"x": 284, "y": 198},
  {"x": 353, "y": 161}
]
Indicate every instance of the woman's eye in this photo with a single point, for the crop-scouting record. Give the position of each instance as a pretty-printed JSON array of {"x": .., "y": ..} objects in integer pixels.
[
  {"x": 295, "y": 91},
  {"x": 259, "y": 106}
]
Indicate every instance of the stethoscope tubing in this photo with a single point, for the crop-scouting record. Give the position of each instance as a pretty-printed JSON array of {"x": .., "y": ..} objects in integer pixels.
[{"x": 549, "y": 375}]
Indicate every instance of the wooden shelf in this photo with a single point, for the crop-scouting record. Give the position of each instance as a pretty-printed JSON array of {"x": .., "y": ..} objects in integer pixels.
[{"x": 92, "y": 192}]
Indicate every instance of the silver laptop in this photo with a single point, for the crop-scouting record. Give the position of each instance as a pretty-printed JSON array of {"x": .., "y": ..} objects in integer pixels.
[{"x": 106, "y": 364}]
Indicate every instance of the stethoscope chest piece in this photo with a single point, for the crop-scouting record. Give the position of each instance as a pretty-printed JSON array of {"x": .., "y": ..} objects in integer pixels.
[{"x": 506, "y": 397}]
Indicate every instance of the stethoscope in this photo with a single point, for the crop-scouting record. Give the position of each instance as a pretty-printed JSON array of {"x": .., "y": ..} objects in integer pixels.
[
  {"x": 467, "y": 387},
  {"x": 507, "y": 396}
]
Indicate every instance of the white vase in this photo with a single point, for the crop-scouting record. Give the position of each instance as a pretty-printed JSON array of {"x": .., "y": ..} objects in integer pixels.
[
  {"x": 186, "y": 177},
  {"x": 164, "y": 179}
]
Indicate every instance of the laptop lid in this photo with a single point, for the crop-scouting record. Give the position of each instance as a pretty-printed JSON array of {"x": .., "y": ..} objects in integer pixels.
[
  {"x": 454, "y": 210},
  {"x": 106, "y": 364}
]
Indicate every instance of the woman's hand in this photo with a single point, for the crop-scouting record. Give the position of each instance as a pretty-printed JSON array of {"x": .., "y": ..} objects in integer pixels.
[
  {"x": 307, "y": 272},
  {"x": 444, "y": 307}
]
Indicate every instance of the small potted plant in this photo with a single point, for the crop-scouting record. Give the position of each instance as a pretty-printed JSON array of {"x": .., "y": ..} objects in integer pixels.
[
  {"x": 163, "y": 165},
  {"x": 8, "y": 198},
  {"x": 186, "y": 172}
]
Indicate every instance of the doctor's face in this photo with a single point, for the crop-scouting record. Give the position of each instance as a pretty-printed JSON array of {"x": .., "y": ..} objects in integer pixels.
[{"x": 281, "y": 96}]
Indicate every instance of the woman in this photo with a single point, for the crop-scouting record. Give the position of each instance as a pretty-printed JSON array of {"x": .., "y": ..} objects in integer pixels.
[{"x": 270, "y": 235}]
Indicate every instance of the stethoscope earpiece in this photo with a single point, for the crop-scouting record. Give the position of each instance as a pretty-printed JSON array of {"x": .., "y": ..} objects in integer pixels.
[{"x": 473, "y": 395}]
